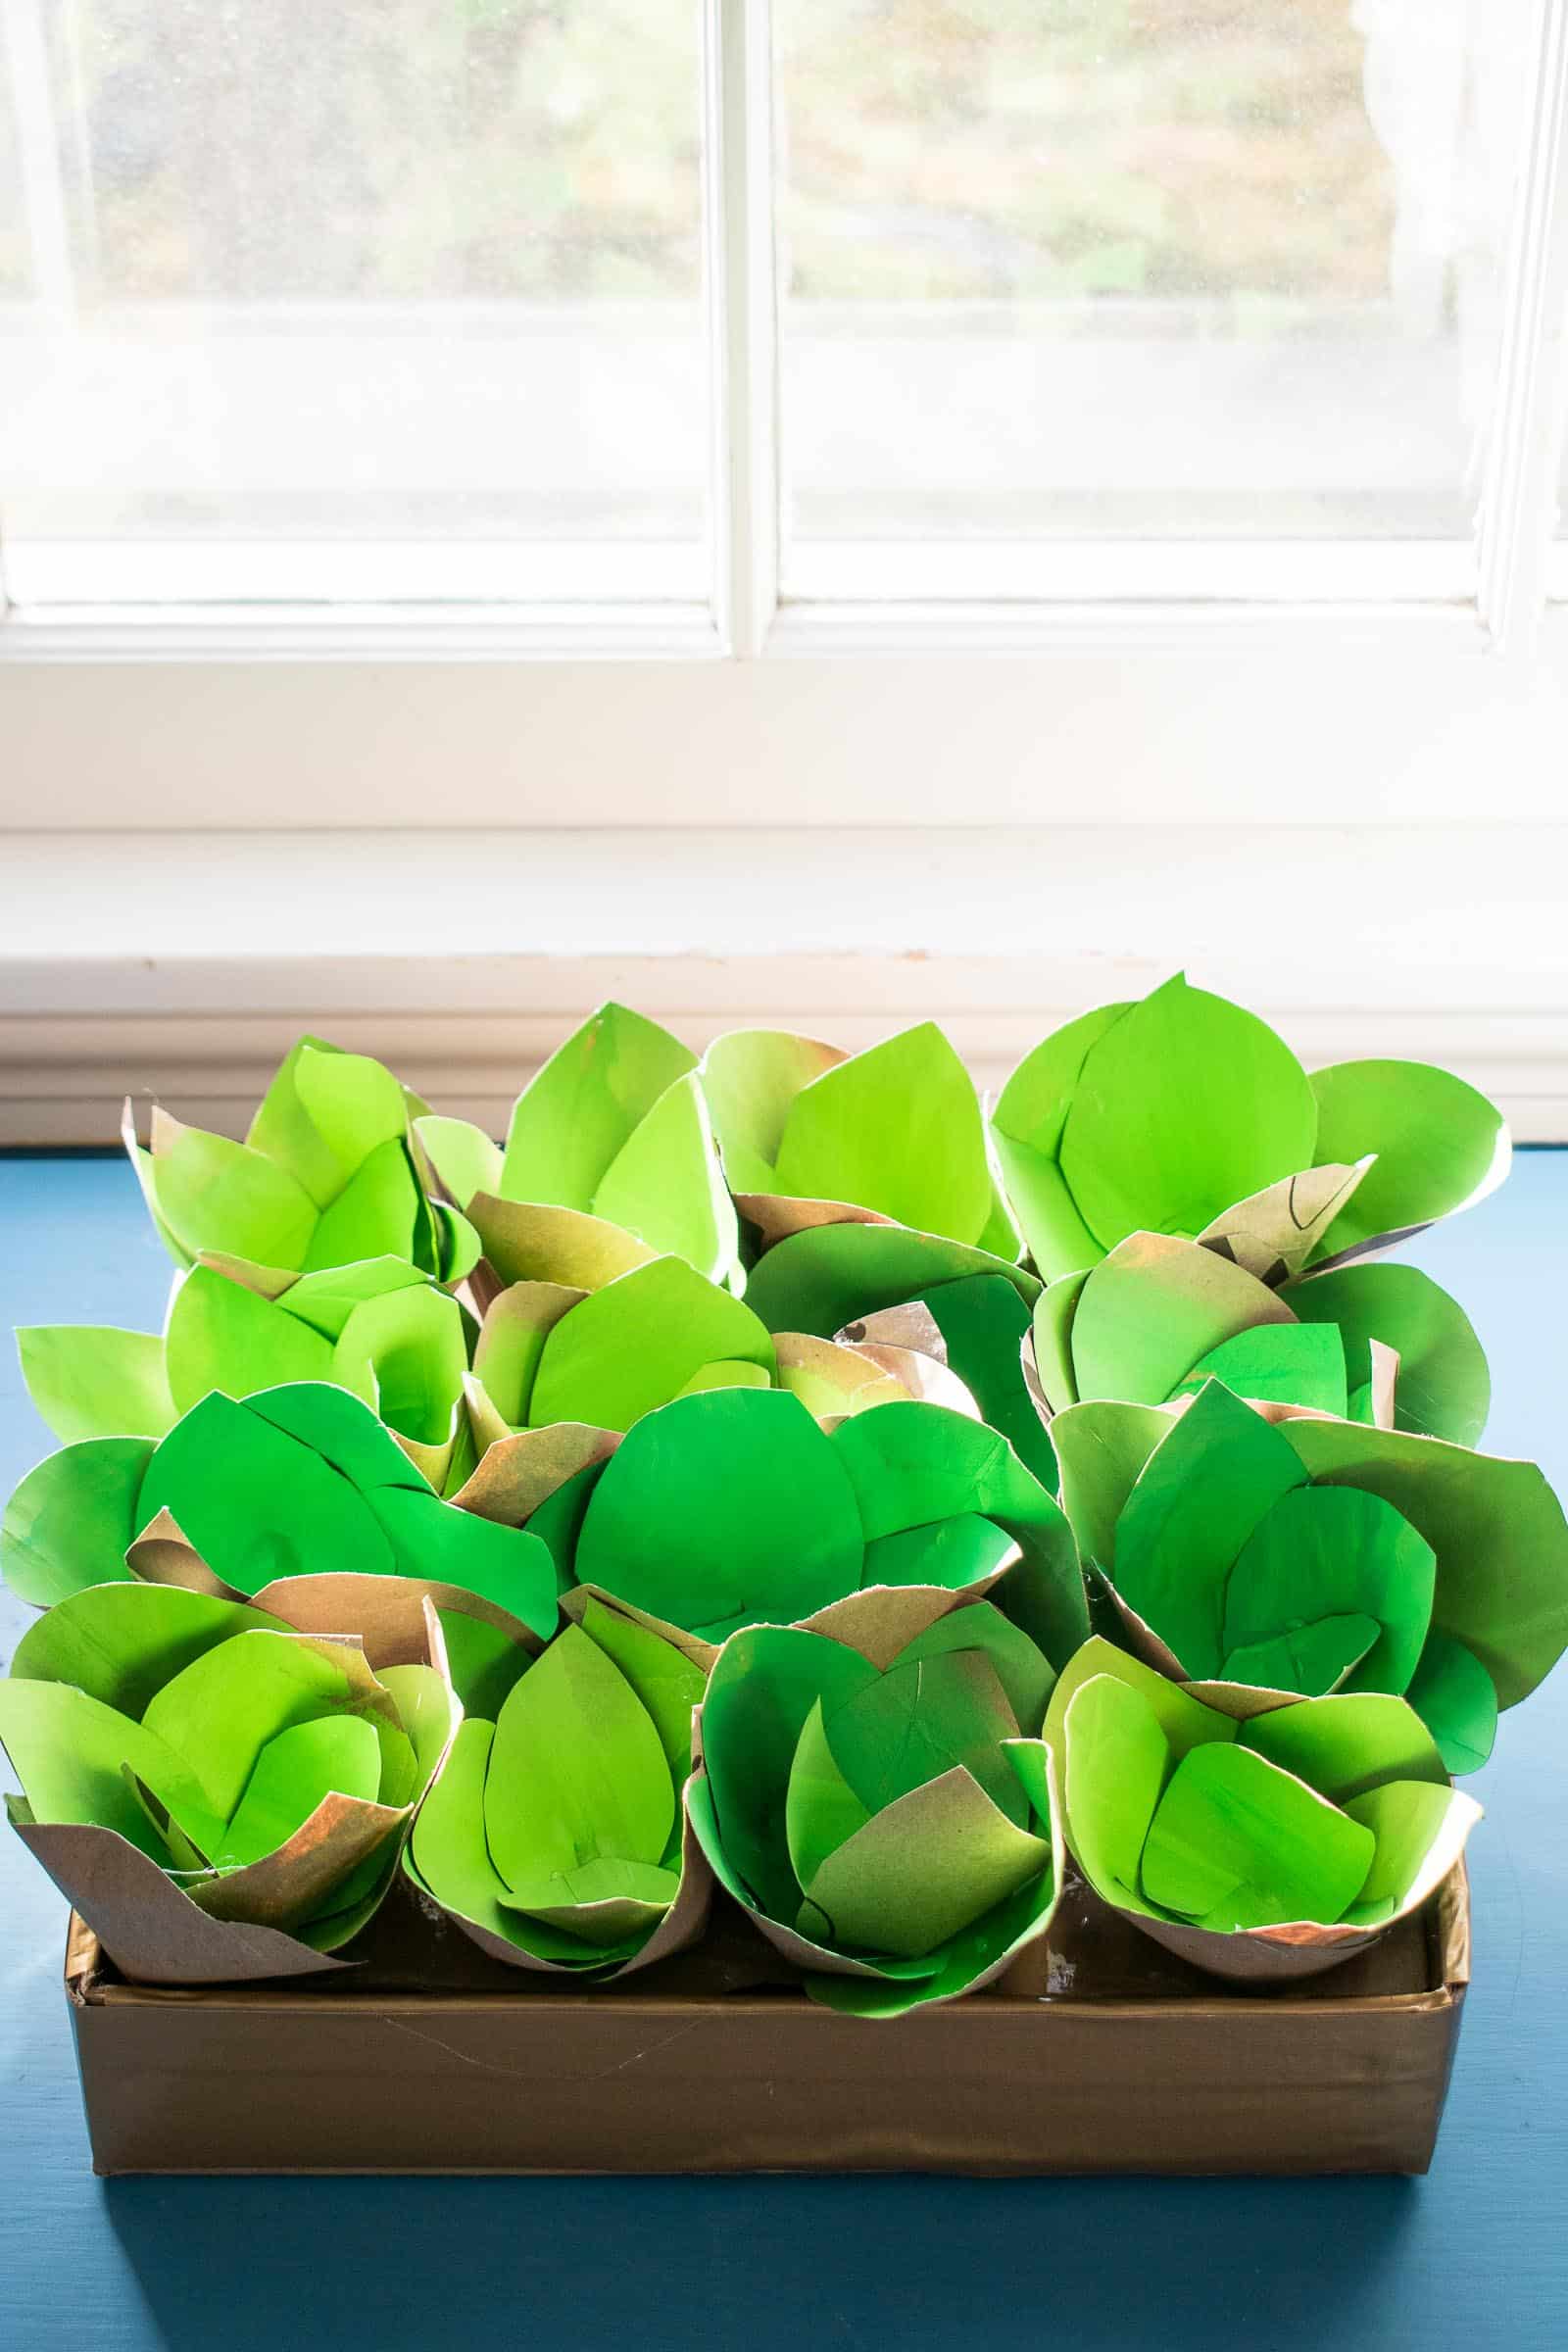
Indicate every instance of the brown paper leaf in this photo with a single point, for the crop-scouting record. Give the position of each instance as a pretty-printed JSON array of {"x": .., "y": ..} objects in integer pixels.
[
  {"x": 912, "y": 1325},
  {"x": 776, "y": 1215},
  {"x": 527, "y": 1241},
  {"x": 152, "y": 1932},
  {"x": 522, "y": 1470},
  {"x": 574, "y": 1604}
]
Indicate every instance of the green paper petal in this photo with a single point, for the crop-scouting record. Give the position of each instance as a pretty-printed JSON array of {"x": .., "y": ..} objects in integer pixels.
[
  {"x": 1332, "y": 1552},
  {"x": 666, "y": 1682},
  {"x": 664, "y": 1185},
  {"x": 1286, "y": 1363},
  {"x": 898, "y": 1129},
  {"x": 1443, "y": 1389},
  {"x": 223, "y": 1336},
  {"x": 90, "y": 1382},
  {"x": 70, "y": 1754},
  {"x": 1452, "y": 1694},
  {"x": 830, "y": 1276},
  {"x": 294, "y": 1772},
  {"x": 71, "y": 1521},
  {"x": 122, "y": 1643},
  {"x": 1438, "y": 1143},
  {"x": 577, "y": 1771},
  {"x": 1236, "y": 1843},
  {"x": 721, "y": 1510},
  {"x": 582, "y": 1108},
  {"x": 638, "y": 1343},
  {"x": 928, "y": 1865}
]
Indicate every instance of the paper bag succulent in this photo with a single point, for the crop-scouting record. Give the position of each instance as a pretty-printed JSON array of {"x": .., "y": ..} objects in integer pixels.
[
  {"x": 735, "y": 1508},
  {"x": 1320, "y": 1555},
  {"x": 325, "y": 1177},
  {"x": 1159, "y": 1315},
  {"x": 879, "y": 1800},
  {"x": 812, "y": 1136},
  {"x": 556, "y": 1837},
  {"x": 1263, "y": 1845},
  {"x": 609, "y": 1160},
  {"x": 218, "y": 1796},
  {"x": 291, "y": 1489},
  {"x": 1184, "y": 1114}
]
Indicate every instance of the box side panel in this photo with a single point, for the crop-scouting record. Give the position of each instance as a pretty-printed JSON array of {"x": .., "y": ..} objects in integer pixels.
[{"x": 768, "y": 2085}]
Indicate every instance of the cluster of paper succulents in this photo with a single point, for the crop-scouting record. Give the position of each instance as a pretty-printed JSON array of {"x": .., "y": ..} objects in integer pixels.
[{"x": 768, "y": 1477}]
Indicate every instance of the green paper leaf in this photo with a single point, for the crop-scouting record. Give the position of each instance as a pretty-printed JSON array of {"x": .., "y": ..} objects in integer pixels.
[
  {"x": 728, "y": 1376},
  {"x": 577, "y": 1771},
  {"x": 762, "y": 1687},
  {"x": 1452, "y": 1694},
  {"x": 1347, "y": 1743},
  {"x": 1332, "y": 1554},
  {"x": 1443, "y": 1389},
  {"x": 405, "y": 1352},
  {"x": 1201, "y": 1496},
  {"x": 1184, "y": 1721},
  {"x": 424, "y": 1700},
  {"x": 638, "y": 1343},
  {"x": 897, "y": 1128},
  {"x": 1496, "y": 1528},
  {"x": 378, "y": 1214},
  {"x": 952, "y": 1552},
  {"x": 526, "y": 1243},
  {"x": 820, "y": 1280},
  {"x": 484, "y": 1662},
  {"x": 293, "y": 1773},
  {"x": 666, "y": 1682},
  {"x": 463, "y": 1157},
  {"x": 1310, "y": 1658},
  {"x": 1439, "y": 1144},
  {"x": 506, "y": 1565},
  {"x": 1236, "y": 1843},
  {"x": 120, "y": 1642},
  {"x": 1151, "y": 1311},
  {"x": 223, "y": 1336},
  {"x": 914, "y": 1464},
  {"x": 1025, "y": 1675},
  {"x": 256, "y": 1504},
  {"x": 1102, "y": 1449},
  {"x": 919, "y": 1719},
  {"x": 925, "y": 1867},
  {"x": 70, "y": 1752},
  {"x": 92, "y": 1382},
  {"x": 512, "y": 1343},
  {"x": 1287, "y": 1363},
  {"x": 221, "y": 1710},
  {"x": 821, "y": 1808},
  {"x": 353, "y": 1103},
  {"x": 1406, "y": 1820},
  {"x": 751, "y": 1079},
  {"x": 721, "y": 1510},
  {"x": 448, "y": 1852},
  {"x": 1139, "y": 1153},
  {"x": 71, "y": 1521},
  {"x": 216, "y": 1195},
  {"x": 983, "y": 1320},
  {"x": 664, "y": 1185},
  {"x": 1117, "y": 1761},
  {"x": 578, "y": 1112},
  {"x": 1028, "y": 1123}
]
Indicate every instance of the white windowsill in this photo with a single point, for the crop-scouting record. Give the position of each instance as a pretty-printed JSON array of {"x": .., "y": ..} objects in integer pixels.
[{"x": 185, "y": 963}]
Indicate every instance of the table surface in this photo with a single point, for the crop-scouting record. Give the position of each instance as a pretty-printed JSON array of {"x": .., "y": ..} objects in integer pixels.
[{"x": 1474, "y": 2256}]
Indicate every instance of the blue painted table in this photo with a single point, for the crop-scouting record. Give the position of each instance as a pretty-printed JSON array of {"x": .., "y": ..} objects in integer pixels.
[{"x": 1474, "y": 2257}]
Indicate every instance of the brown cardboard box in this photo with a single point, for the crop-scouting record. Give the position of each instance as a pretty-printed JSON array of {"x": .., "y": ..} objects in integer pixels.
[{"x": 1097, "y": 2053}]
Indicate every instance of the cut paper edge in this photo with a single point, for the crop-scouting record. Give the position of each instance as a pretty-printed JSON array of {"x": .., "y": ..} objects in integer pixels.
[{"x": 290, "y": 1885}]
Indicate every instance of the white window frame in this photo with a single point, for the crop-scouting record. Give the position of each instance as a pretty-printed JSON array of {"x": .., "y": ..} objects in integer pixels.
[{"x": 1150, "y": 686}]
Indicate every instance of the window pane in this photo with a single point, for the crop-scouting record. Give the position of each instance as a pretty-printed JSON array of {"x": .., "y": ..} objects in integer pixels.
[
  {"x": 386, "y": 299},
  {"x": 1139, "y": 268}
]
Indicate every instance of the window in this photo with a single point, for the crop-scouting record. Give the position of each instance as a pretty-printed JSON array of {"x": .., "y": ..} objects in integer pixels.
[{"x": 543, "y": 330}]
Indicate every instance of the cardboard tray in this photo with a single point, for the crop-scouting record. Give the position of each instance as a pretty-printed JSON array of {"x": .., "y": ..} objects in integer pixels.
[{"x": 1099, "y": 2053}]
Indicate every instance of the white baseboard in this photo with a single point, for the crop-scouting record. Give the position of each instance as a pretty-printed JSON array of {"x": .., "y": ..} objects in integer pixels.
[{"x": 182, "y": 965}]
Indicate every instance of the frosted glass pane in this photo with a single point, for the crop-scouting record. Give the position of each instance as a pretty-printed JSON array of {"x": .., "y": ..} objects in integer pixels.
[
  {"x": 380, "y": 298},
  {"x": 1141, "y": 268}
]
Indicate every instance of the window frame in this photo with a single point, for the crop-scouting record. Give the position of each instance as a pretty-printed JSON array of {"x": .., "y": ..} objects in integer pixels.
[{"x": 1377, "y": 625}]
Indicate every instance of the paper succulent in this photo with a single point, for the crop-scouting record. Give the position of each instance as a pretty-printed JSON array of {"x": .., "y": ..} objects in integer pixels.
[
  {"x": 1184, "y": 1114},
  {"x": 875, "y": 1793},
  {"x": 1159, "y": 1315},
  {"x": 556, "y": 1837},
  {"x": 1318, "y": 1555},
  {"x": 325, "y": 1177},
  {"x": 609, "y": 1160},
  {"x": 1268, "y": 1846},
  {"x": 220, "y": 1796},
  {"x": 899, "y": 1295},
  {"x": 381, "y": 1329},
  {"x": 735, "y": 1507},
  {"x": 812, "y": 1136},
  {"x": 290, "y": 1489}
]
